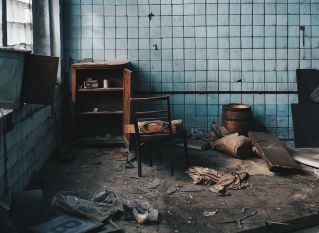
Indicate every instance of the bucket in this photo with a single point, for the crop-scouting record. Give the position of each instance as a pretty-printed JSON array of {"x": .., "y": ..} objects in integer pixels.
[{"x": 237, "y": 118}]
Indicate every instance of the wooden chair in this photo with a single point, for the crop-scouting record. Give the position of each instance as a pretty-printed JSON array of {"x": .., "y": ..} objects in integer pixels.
[{"x": 162, "y": 114}]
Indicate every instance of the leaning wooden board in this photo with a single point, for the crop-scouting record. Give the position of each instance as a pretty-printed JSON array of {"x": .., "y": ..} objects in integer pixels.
[{"x": 272, "y": 151}]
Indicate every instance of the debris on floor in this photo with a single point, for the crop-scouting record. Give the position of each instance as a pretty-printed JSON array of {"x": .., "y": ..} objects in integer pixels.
[
  {"x": 196, "y": 144},
  {"x": 110, "y": 227},
  {"x": 155, "y": 183},
  {"x": 172, "y": 189},
  {"x": 210, "y": 213},
  {"x": 219, "y": 180},
  {"x": 103, "y": 204},
  {"x": 273, "y": 152},
  {"x": 247, "y": 213},
  {"x": 191, "y": 188}
]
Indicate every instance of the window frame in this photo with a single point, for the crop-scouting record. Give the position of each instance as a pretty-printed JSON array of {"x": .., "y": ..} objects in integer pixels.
[{"x": 4, "y": 25}]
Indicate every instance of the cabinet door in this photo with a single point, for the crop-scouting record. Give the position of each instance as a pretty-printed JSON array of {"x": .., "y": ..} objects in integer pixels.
[{"x": 127, "y": 92}]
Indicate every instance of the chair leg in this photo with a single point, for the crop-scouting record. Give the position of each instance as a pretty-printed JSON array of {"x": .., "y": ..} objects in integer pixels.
[
  {"x": 138, "y": 157},
  {"x": 186, "y": 149},
  {"x": 149, "y": 151},
  {"x": 172, "y": 156}
]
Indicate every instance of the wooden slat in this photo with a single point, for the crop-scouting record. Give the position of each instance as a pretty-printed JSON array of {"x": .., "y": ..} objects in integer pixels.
[
  {"x": 150, "y": 99},
  {"x": 129, "y": 129},
  {"x": 152, "y": 118},
  {"x": 272, "y": 151},
  {"x": 120, "y": 112},
  {"x": 147, "y": 113},
  {"x": 127, "y": 86},
  {"x": 100, "y": 89},
  {"x": 111, "y": 64}
]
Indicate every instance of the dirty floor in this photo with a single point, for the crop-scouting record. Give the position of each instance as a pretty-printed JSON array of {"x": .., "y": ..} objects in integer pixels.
[{"x": 275, "y": 197}]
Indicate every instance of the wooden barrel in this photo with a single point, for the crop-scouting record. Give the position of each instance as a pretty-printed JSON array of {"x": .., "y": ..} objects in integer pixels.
[{"x": 237, "y": 118}]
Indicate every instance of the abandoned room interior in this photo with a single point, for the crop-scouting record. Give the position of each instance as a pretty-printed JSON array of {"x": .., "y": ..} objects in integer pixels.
[{"x": 159, "y": 116}]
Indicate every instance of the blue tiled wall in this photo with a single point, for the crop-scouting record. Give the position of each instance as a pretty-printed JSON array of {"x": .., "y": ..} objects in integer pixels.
[{"x": 204, "y": 45}]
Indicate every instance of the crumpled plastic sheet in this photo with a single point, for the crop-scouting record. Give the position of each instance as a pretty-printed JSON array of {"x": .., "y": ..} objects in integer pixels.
[{"x": 103, "y": 204}]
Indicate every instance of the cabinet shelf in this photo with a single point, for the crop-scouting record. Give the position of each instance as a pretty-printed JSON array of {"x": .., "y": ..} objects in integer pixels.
[
  {"x": 113, "y": 103},
  {"x": 120, "y": 112},
  {"x": 115, "y": 89}
]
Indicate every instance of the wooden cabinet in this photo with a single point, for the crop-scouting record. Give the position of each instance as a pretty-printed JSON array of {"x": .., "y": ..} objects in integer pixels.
[{"x": 101, "y": 112}]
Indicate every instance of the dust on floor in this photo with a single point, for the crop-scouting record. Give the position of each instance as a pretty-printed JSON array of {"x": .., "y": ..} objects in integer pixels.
[{"x": 275, "y": 197}]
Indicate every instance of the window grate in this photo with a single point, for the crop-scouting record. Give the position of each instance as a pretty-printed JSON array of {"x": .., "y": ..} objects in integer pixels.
[{"x": 19, "y": 24}]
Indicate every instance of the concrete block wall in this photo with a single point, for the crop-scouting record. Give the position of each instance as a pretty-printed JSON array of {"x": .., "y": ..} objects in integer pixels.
[
  {"x": 204, "y": 53},
  {"x": 31, "y": 139}
]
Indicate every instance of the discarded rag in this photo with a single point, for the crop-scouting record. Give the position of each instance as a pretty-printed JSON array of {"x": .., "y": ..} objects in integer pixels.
[
  {"x": 219, "y": 180},
  {"x": 103, "y": 204}
]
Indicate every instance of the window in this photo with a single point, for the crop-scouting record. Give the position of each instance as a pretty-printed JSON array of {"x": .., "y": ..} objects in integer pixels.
[
  {"x": 19, "y": 24},
  {"x": 1, "y": 23}
]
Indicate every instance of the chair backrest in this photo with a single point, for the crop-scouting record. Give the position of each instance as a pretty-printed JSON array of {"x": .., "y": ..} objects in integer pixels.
[{"x": 158, "y": 109}]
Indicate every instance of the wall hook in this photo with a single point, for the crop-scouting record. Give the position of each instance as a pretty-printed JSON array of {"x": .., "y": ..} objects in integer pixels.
[
  {"x": 151, "y": 15},
  {"x": 155, "y": 46}
]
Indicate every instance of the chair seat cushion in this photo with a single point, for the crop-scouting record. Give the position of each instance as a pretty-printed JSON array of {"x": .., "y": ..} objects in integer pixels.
[{"x": 158, "y": 126}]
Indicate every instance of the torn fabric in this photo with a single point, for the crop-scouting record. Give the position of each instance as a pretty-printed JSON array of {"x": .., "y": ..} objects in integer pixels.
[{"x": 219, "y": 180}]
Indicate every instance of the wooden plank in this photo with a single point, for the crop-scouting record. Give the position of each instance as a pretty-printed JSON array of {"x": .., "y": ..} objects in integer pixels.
[
  {"x": 113, "y": 89},
  {"x": 150, "y": 99},
  {"x": 127, "y": 86},
  {"x": 120, "y": 112},
  {"x": 272, "y": 151},
  {"x": 111, "y": 64},
  {"x": 148, "y": 113}
]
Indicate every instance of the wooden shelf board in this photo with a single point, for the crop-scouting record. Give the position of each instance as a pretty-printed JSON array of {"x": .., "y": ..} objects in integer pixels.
[
  {"x": 115, "y": 89},
  {"x": 111, "y": 64},
  {"x": 120, "y": 112}
]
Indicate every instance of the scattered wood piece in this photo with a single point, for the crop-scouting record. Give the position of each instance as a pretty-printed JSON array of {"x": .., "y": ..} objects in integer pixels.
[{"x": 273, "y": 152}]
